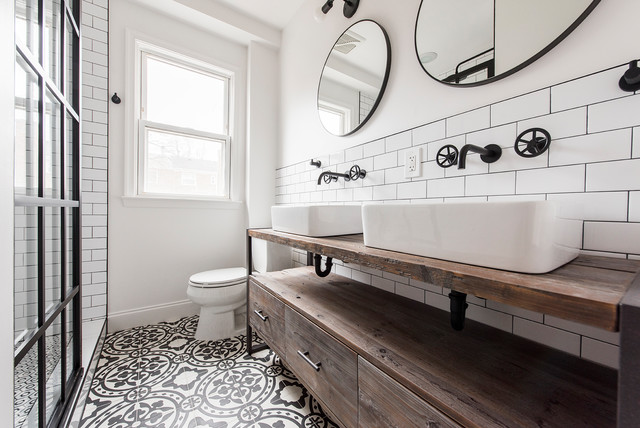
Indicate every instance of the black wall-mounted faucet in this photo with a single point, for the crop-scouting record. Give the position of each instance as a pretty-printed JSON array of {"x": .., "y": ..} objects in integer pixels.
[
  {"x": 354, "y": 173},
  {"x": 331, "y": 176},
  {"x": 488, "y": 154}
]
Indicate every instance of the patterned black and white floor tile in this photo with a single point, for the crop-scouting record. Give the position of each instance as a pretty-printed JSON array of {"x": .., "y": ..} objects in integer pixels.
[{"x": 160, "y": 376}]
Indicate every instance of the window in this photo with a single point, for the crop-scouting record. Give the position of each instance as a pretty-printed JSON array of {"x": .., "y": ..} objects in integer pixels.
[
  {"x": 336, "y": 119},
  {"x": 183, "y": 123}
]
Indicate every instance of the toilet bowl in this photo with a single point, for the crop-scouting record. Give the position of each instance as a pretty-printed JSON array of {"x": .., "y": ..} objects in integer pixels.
[{"x": 222, "y": 293}]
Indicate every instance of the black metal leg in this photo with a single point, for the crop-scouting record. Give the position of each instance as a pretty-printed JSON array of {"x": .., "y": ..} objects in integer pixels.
[
  {"x": 250, "y": 348},
  {"x": 249, "y": 267}
]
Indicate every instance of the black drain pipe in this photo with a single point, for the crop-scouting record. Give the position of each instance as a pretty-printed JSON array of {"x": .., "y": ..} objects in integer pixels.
[{"x": 318, "y": 262}]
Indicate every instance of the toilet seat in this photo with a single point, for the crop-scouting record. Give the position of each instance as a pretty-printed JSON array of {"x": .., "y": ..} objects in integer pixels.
[{"x": 219, "y": 278}]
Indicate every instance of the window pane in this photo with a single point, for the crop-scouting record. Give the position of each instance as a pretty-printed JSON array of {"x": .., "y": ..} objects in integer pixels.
[
  {"x": 182, "y": 164},
  {"x": 52, "y": 257},
  {"x": 186, "y": 98},
  {"x": 73, "y": 5},
  {"x": 51, "y": 147},
  {"x": 52, "y": 39},
  {"x": 71, "y": 125},
  {"x": 53, "y": 344},
  {"x": 25, "y": 391},
  {"x": 27, "y": 97},
  {"x": 69, "y": 249},
  {"x": 71, "y": 337},
  {"x": 25, "y": 273},
  {"x": 71, "y": 41},
  {"x": 27, "y": 24},
  {"x": 332, "y": 121}
]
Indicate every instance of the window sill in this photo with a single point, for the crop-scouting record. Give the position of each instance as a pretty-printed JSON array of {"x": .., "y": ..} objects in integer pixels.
[{"x": 160, "y": 202}]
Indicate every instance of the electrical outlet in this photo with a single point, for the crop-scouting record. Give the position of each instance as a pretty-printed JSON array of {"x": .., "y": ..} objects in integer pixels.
[{"x": 412, "y": 162}]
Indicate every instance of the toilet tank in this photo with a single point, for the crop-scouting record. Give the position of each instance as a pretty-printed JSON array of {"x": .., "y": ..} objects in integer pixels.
[{"x": 269, "y": 256}]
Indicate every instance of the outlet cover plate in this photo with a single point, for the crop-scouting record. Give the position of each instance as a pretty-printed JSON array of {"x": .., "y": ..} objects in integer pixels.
[{"x": 412, "y": 162}]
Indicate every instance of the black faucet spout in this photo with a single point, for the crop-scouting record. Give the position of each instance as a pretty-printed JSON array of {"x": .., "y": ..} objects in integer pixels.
[
  {"x": 488, "y": 154},
  {"x": 331, "y": 176}
]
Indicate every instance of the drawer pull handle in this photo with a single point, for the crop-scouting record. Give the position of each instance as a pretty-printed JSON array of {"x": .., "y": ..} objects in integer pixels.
[
  {"x": 316, "y": 366},
  {"x": 262, "y": 317}
]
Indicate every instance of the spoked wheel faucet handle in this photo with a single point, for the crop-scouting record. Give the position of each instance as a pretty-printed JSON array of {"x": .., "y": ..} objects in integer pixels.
[
  {"x": 532, "y": 142},
  {"x": 447, "y": 156}
]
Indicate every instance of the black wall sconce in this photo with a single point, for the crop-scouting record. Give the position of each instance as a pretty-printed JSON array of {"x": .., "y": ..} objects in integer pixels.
[{"x": 349, "y": 9}]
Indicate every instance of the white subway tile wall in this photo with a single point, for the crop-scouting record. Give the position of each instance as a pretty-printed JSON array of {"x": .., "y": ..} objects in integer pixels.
[
  {"x": 95, "y": 63},
  {"x": 592, "y": 165}
]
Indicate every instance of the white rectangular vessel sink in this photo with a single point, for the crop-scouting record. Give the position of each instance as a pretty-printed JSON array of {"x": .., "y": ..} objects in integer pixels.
[
  {"x": 317, "y": 220},
  {"x": 517, "y": 236}
]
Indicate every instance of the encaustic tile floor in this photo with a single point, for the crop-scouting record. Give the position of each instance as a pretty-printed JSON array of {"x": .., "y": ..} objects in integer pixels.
[{"x": 160, "y": 376}]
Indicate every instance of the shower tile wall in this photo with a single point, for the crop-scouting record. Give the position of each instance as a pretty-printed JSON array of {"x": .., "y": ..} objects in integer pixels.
[
  {"x": 593, "y": 164},
  {"x": 95, "y": 16}
]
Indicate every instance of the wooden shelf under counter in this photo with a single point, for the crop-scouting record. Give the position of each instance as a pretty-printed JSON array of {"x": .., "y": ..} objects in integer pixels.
[
  {"x": 478, "y": 377},
  {"x": 587, "y": 290}
]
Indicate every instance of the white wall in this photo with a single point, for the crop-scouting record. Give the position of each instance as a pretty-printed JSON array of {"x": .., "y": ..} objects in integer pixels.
[
  {"x": 7, "y": 126},
  {"x": 412, "y": 98},
  {"x": 262, "y": 132},
  {"x": 154, "y": 248}
]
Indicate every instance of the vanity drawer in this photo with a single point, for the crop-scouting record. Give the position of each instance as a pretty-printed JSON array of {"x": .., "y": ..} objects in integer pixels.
[
  {"x": 266, "y": 316},
  {"x": 324, "y": 365},
  {"x": 386, "y": 403}
]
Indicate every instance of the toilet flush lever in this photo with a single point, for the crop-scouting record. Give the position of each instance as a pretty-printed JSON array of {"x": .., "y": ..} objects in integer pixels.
[{"x": 262, "y": 317}]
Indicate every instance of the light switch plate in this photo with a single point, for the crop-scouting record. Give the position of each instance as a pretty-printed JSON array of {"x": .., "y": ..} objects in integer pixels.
[{"x": 412, "y": 162}]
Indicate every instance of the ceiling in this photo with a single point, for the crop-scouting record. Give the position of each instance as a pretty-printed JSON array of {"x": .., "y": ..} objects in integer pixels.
[{"x": 276, "y": 13}]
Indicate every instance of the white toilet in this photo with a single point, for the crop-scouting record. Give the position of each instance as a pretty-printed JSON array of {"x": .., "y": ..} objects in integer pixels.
[{"x": 222, "y": 293}]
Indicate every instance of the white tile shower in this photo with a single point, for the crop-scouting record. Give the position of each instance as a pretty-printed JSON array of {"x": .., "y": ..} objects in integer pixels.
[{"x": 592, "y": 163}]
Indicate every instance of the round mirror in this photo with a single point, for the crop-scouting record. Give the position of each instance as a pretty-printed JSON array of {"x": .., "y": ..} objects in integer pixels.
[
  {"x": 354, "y": 78},
  {"x": 472, "y": 42}
]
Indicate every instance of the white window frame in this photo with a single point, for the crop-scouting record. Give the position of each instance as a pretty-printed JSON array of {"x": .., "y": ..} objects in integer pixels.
[{"x": 135, "y": 168}]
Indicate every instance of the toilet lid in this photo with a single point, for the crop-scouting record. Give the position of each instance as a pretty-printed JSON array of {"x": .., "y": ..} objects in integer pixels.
[{"x": 219, "y": 277}]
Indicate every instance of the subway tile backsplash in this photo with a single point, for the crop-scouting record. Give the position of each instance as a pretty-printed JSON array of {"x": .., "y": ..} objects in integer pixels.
[{"x": 592, "y": 167}]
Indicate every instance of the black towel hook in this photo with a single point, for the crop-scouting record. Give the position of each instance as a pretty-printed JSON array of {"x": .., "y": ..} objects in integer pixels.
[{"x": 630, "y": 80}]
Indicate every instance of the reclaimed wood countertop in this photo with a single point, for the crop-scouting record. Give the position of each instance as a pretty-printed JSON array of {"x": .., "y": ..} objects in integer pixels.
[{"x": 587, "y": 290}]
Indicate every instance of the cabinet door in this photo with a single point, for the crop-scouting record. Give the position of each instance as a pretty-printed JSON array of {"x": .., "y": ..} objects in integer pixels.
[
  {"x": 266, "y": 317},
  {"x": 384, "y": 403},
  {"x": 324, "y": 365}
]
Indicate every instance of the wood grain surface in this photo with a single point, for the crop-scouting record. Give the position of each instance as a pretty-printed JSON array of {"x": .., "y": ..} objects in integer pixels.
[
  {"x": 478, "y": 377},
  {"x": 587, "y": 290}
]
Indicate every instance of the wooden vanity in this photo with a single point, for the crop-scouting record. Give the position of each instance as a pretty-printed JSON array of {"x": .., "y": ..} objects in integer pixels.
[{"x": 375, "y": 359}]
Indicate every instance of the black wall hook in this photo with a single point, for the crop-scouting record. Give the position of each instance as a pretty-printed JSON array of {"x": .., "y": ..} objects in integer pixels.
[
  {"x": 630, "y": 80},
  {"x": 317, "y": 163},
  {"x": 115, "y": 98}
]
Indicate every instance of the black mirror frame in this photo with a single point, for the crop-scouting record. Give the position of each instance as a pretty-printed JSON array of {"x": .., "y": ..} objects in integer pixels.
[
  {"x": 382, "y": 87},
  {"x": 535, "y": 57}
]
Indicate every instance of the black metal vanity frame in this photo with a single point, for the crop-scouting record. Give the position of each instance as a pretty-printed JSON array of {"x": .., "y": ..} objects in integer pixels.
[{"x": 626, "y": 312}]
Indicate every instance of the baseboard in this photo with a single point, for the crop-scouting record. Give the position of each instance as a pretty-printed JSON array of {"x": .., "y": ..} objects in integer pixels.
[{"x": 151, "y": 315}]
